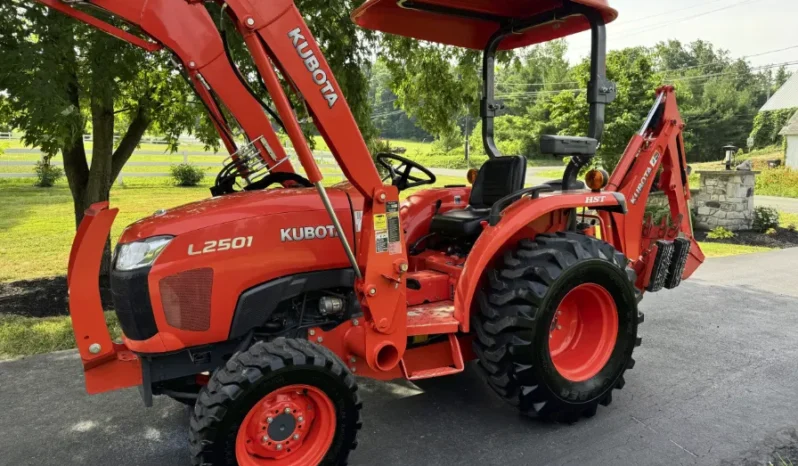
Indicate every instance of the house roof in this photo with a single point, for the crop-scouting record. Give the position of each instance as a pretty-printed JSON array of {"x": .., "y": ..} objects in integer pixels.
[
  {"x": 792, "y": 127},
  {"x": 786, "y": 97}
]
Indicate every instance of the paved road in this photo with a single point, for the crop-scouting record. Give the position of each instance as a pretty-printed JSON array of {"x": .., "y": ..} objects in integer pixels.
[
  {"x": 715, "y": 380},
  {"x": 784, "y": 204}
]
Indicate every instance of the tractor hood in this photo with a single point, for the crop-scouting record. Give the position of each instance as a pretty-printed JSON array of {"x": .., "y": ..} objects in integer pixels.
[{"x": 230, "y": 208}]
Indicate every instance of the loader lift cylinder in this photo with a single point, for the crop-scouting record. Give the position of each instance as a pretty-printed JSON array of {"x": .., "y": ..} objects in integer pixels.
[{"x": 338, "y": 229}]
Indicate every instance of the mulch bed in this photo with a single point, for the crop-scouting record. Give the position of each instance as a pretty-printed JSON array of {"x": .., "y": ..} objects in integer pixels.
[
  {"x": 783, "y": 238},
  {"x": 42, "y": 297}
]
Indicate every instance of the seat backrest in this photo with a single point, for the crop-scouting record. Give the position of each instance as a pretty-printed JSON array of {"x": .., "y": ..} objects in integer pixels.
[{"x": 497, "y": 178}]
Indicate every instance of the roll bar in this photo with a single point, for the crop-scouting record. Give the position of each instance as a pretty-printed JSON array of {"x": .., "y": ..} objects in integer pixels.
[{"x": 600, "y": 90}]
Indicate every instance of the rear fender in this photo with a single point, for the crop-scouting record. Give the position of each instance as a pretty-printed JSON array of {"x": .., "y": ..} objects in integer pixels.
[
  {"x": 525, "y": 218},
  {"x": 106, "y": 365}
]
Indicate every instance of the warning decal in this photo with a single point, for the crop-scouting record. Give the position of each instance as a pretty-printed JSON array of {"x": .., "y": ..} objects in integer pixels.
[
  {"x": 380, "y": 232},
  {"x": 394, "y": 237},
  {"x": 380, "y": 222}
]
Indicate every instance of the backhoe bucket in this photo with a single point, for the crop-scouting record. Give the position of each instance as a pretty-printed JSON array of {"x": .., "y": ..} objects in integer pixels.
[{"x": 106, "y": 365}]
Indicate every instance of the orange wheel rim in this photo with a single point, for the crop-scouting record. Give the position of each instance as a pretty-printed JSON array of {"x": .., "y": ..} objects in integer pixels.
[
  {"x": 291, "y": 426},
  {"x": 583, "y": 332}
]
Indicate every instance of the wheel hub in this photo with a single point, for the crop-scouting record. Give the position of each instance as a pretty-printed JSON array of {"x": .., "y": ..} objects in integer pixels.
[
  {"x": 583, "y": 332},
  {"x": 284, "y": 425}
]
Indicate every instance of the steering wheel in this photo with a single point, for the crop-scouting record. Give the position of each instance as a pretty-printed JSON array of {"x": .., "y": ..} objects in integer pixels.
[
  {"x": 278, "y": 177},
  {"x": 400, "y": 174}
]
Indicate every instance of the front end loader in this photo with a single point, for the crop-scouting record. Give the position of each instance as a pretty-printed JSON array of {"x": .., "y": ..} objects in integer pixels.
[{"x": 259, "y": 305}]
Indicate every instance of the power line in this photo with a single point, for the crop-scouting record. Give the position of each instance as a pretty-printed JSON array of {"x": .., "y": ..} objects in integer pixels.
[
  {"x": 684, "y": 19},
  {"x": 688, "y": 18},
  {"x": 738, "y": 58},
  {"x": 657, "y": 15}
]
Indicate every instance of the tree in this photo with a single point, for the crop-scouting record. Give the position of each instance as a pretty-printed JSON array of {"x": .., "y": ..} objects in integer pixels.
[
  {"x": 390, "y": 121},
  {"x": 435, "y": 84},
  {"x": 68, "y": 78},
  {"x": 62, "y": 78}
]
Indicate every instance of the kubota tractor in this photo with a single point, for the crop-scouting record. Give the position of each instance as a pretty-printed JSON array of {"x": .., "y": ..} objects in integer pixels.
[{"x": 258, "y": 306}]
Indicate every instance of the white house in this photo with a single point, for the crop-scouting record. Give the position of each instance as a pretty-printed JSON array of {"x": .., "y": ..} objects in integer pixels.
[
  {"x": 784, "y": 98},
  {"x": 790, "y": 132}
]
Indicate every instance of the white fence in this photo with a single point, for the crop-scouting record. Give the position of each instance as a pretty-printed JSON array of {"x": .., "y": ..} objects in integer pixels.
[{"x": 325, "y": 161}]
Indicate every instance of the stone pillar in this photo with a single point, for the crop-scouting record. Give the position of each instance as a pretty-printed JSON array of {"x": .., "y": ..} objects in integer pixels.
[{"x": 725, "y": 199}]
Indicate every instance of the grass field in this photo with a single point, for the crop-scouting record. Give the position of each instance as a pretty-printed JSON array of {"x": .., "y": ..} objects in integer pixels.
[
  {"x": 24, "y": 336},
  {"x": 37, "y": 224}
]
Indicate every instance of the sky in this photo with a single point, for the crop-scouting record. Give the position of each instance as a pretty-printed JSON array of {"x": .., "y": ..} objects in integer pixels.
[{"x": 743, "y": 27}]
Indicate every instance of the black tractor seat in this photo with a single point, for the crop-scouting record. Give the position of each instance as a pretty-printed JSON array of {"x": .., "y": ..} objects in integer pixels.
[{"x": 497, "y": 178}]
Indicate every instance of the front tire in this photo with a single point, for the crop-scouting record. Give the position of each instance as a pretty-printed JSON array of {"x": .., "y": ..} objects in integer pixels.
[
  {"x": 557, "y": 324},
  {"x": 280, "y": 402}
]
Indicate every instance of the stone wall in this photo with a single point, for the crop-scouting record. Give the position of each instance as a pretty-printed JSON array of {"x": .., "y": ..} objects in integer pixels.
[{"x": 726, "y": 199}]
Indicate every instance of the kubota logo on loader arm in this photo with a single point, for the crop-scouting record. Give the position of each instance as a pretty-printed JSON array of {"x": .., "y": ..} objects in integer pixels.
[{"x": 312, "y": 64}]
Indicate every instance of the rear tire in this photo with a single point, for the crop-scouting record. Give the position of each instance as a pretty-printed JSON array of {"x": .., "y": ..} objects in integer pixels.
[
  {"x": 316, "y": 401},
  {"x": 521, "y": 353}
]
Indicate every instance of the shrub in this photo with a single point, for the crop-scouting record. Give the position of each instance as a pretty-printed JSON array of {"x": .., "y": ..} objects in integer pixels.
[
  {"x": 765, "y": 218},
  {"x": 771, "y": 231},
  {"x": 792, "y": 227},
  {"x": 720, "y": 233},
  {"x": 187, "y": 175},
  {"x": 46, "y": 174}
]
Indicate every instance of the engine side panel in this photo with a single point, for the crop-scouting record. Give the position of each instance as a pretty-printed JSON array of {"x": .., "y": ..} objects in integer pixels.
[{"x": 243, "y": 254}]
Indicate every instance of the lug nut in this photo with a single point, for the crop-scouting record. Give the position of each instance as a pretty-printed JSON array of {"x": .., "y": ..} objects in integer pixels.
[
  {"x": 559, "y": 327},
  {"x": 320, "y": 339},
  {"x": 353, "y": 369},
  {"x": 372, "y": 291},
  {"x": 269, "y": 420},
  {"x": 311, "y": 332},
  {"x": 287, "y": 410},
  {"x": 355, "y": 322},
  {"x": 265, "y": 438},
  {"x": 296, "y": 436},
  {"x": 279, "y": 447},
  {"x": 353, "y": 359},
  {"x": 300, "y": 419}
]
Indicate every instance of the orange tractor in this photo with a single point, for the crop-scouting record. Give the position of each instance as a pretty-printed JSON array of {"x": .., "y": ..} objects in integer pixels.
[{"x": 259, "y": 306}]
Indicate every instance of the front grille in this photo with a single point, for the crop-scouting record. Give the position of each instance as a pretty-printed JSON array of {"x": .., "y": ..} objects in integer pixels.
[
  {"x": 131, "y": 296},
  {"x": 186, "y": 299}
]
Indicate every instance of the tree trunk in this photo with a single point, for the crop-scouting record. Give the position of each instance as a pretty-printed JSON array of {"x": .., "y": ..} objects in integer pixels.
[{"x": 98, "y": 187}]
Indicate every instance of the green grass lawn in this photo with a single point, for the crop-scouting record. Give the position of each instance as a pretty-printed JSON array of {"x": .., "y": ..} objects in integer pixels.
[
  {"x": 723, "y": 250},
  {"x": 25, "y": 336}
]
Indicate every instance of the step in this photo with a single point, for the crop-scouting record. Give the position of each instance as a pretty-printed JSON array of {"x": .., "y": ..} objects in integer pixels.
[
  {"x": 432, "y": 319},
  {"x": 450, "y": 363}
]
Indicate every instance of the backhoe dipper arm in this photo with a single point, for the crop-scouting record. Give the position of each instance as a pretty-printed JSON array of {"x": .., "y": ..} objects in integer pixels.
[
  {"x": 658, "y": 145},
  {"x": 186, "y": 29}
]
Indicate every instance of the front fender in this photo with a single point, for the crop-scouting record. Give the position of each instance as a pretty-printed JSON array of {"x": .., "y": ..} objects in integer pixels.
[{"x": 525, "y": 218}]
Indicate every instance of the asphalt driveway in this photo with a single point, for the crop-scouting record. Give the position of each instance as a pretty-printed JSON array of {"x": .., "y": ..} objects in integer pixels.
[{"x": 716, "y": 382}]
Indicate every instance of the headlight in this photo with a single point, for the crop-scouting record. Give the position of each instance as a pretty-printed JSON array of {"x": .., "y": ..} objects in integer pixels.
[{"x": 139, "y": 254}]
